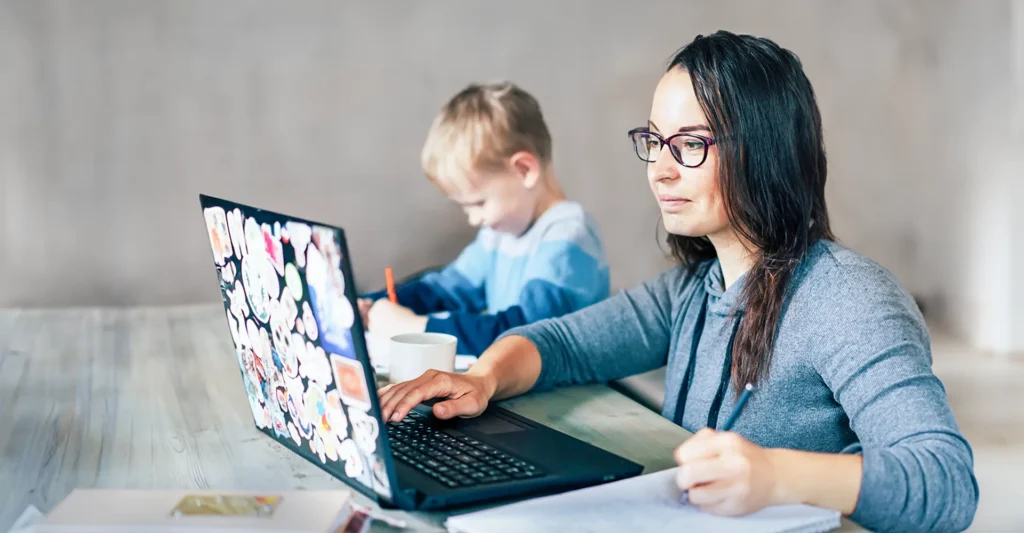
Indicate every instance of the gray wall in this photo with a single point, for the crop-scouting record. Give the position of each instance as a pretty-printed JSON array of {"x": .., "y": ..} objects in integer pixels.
[{"x": 115, "y": 115}]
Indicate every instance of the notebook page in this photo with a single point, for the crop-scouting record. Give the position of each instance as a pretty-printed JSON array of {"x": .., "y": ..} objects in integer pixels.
[{"x": 643, "y": 503}]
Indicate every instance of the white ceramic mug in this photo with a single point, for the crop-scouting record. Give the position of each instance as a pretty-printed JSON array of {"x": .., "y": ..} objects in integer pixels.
[{"x": 412, "y": 354}]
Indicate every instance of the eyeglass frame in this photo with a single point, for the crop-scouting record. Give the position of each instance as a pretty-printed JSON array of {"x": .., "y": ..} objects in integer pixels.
[{"x": 708, "y": 142}]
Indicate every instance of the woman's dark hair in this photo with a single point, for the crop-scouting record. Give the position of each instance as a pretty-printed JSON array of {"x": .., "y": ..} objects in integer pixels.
[{"x": 771, "y": 172}]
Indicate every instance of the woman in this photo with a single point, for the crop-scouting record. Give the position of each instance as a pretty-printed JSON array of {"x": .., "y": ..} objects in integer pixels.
[{"x": 846, "y": 412}]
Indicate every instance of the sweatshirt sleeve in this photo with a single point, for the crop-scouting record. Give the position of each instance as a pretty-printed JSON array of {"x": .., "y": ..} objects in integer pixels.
[
  {"x": 626, "y": 334},
  {"x": 459, "y": 287},
  {"x": 918, "y": 472}
]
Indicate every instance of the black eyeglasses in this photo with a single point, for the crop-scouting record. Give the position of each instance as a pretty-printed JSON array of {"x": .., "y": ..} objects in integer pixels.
[{"x": 689, "y": 149}]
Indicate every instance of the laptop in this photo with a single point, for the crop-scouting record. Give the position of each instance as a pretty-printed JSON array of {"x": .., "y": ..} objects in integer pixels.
[{"x": 290, "y": 303}]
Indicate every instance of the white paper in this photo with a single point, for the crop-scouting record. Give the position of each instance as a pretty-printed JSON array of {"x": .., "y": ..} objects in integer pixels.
[{"x": 643, "y": 503}]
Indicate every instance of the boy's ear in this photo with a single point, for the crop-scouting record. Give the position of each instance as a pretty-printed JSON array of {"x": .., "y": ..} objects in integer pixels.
[{"x": 527, "y": 167}]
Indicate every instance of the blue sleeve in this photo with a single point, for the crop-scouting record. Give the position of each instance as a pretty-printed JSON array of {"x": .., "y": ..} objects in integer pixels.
[
  {"x": 477, "y": 331},
  {"x": 459, "y": 287},
  {"x": 560, "y": 278}
]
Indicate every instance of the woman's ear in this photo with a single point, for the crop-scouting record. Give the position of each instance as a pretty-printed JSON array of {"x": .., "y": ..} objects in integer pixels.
[{"x": 527, "y": 167}]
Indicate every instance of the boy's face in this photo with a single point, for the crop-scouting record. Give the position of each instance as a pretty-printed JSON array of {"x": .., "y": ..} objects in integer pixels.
[{"x": 499, "y": 200}]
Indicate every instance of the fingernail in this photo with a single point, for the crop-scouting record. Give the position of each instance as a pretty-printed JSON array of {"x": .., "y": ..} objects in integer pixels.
[{"x": 441, "y": 410}]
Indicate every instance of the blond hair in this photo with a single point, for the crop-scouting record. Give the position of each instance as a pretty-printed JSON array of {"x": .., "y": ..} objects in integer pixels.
[{"x": 481, "y": 127}]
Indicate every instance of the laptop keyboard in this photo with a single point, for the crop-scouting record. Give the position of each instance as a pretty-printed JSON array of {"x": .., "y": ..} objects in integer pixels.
[{"x": 453, "y": 459}]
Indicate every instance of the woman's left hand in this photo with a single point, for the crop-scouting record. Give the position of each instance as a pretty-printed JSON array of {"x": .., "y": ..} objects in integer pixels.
[{"x": 726, "y": 474}]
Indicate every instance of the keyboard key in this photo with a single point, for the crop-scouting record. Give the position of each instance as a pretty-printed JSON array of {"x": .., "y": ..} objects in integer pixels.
[
  {"x": 463, "y": 480},
  {"x": 451, "y": 483},
  {"x": 444, "y": 469},
  {"x": 493, "y": 479},
  {"x": 465, "y": 469},
  {"x": 432, "y": 463},
  {"x": 477, "y": 475},
  {"x": 476, "y": 453},
  {"x": 465, "y": 458}
]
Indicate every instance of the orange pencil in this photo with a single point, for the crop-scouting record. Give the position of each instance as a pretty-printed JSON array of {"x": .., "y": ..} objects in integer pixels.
[{"x": 389, "y": 278}]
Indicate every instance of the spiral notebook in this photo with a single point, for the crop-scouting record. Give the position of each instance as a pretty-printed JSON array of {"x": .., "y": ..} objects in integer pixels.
[{"x": 643, "y": 503}]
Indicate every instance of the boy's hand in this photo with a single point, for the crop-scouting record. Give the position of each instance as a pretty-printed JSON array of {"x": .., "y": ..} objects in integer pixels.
[
  {"x": 390, "y": 319},
  {"x": 364, "y": 310}
]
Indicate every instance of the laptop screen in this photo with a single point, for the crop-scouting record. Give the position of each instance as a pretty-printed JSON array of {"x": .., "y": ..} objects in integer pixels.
[{"x": 288, "y": 296}]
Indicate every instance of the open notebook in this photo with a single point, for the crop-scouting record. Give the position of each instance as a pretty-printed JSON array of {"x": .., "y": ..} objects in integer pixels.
[{"x": 643, "y": 503}]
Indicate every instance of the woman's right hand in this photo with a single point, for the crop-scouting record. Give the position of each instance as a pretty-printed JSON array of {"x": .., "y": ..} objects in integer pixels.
[{"x": 466, "y": 395}]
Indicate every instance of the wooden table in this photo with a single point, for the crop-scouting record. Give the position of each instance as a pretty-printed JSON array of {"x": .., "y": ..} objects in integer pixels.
[{"x": 151, "y": 398}]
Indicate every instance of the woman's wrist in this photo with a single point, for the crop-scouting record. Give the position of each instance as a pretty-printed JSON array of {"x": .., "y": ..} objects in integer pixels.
[
  {"x": 824, "y": 480},
  {"x": 787, "y": 488}
]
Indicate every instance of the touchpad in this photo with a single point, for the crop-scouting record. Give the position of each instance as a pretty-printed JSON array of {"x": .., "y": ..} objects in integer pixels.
[{"x": 493, "y": 425}]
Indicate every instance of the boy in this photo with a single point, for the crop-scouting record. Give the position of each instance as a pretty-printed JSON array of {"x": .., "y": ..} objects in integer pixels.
[{"x": 536, "y": 255}]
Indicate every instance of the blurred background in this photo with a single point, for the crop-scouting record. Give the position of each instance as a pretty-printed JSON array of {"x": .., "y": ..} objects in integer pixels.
[{"x": 116, "y": 115}]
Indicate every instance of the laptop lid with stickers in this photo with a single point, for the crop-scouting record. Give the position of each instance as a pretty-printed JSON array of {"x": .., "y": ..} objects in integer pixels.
[{"x": 289, "y": 299}]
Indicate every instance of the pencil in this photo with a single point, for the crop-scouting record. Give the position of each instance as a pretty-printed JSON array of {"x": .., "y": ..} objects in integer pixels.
[
  {"x": 747, "y": 390},
  {"x": 389, "y": 278}
]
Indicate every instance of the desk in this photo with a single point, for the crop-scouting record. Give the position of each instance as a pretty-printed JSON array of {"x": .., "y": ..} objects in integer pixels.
[{"x": 151, "y": 398}]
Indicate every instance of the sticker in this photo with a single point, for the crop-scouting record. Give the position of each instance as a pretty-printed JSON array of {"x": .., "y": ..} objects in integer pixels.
[
  {"x": 294, "y": 432},
  {"x": 226, "y": 505},
  {"x": 260, "y": 370},
  {"x": 280, "y": 329},
  {"x": 290, "y": 358},
  {"x": 253, "y": 332},
  {"x": 351, "y": 382},
  {"x": 331, "y": 448},
  {"x": 272, "y": 243},
  {"x": 238, "y": 306},
  {"x": 292, "y": 280},
  {"x": 331, "y": 308},
  {"x": 289, "y": 310},
  {"x": 309, "y": 322},
  {"x": 299, "y": 327},
  {"x": 261, "y": 285},
  {"x": 313, "y": 364},
  {"x": 336, "y": 416},
  {"x": 280, "y": 426},
  {"x": 237, "y": 232},
  {"x": 364, "y": 431},
  {"x": 254, "y": 242},
  {"x": 266, "y": 419},
  {"x": 285, "y": 236},
  {"x": 380, "y": 477},
  {"x": 228, "y": 272},
  {"x": 217, "y": 227},
  {"x": 261, "y": 346},
  {"x": 300, "y": 235},
  {"x": 282, "y": 398},
  {"x": 252, "y": 381},
  {"x": 318, "y": 448},
  {"x": 350, "y": 454},
  {"x": 325, "y": 239},
  {"x": 316, "y": 409}
]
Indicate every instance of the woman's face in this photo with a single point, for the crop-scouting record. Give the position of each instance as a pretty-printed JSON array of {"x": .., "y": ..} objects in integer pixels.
[{"x": 690, "y": 201}]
